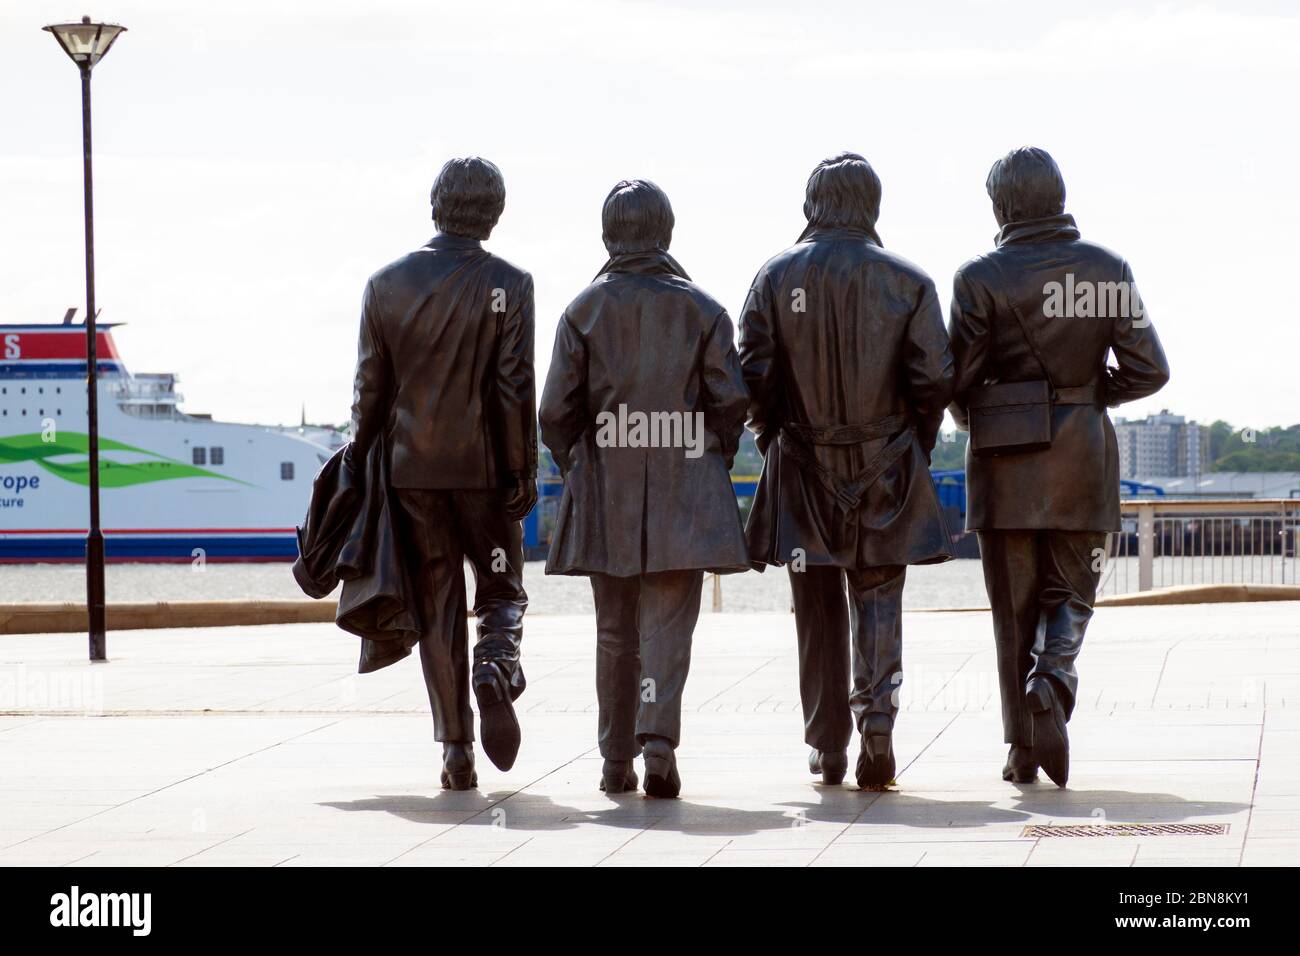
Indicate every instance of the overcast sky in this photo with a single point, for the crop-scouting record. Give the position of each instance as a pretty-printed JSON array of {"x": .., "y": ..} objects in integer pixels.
[{"x": 256, "y": 161}]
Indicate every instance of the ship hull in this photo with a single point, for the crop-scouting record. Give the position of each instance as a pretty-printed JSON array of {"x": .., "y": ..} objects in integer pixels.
[{"x": 153, "y": 545}]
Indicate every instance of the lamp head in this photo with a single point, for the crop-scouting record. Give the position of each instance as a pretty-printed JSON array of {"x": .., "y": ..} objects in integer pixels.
[{"x": 85, "y": 42}]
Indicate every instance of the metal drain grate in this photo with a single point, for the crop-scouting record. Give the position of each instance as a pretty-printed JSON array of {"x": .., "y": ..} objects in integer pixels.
[{"x": 1124, "y": 829}]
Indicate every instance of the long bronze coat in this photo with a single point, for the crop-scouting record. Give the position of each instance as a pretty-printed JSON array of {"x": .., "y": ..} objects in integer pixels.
[
  {"x": 644, "y": 339},
  {"x": 447, "y": 377},
  {"x": 1074, "y": 484},
  {"x": 839, "y": 334}
]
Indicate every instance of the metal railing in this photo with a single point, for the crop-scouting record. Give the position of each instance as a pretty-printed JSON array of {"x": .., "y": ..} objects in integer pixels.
[{"x": 1168, "y": 542}]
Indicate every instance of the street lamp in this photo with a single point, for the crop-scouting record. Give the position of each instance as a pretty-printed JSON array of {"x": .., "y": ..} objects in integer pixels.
[{"x": 87, "y": 43}]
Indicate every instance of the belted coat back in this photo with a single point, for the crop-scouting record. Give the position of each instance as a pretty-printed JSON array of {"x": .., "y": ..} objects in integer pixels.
[{"x": 847, "y": 364}]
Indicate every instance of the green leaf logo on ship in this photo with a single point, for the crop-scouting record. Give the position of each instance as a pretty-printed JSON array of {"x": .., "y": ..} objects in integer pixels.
[{"x": 112, "y": 474}]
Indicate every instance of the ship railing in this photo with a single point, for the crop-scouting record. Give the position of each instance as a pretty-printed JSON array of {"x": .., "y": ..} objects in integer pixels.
[{"x": 148, "y": 396}]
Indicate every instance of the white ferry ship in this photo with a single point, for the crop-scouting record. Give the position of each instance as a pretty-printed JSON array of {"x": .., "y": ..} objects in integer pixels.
[{"x": 173, "y": 486}]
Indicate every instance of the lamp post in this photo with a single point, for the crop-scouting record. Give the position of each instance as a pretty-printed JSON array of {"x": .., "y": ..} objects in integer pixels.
[{"x": 86, "y": 43}]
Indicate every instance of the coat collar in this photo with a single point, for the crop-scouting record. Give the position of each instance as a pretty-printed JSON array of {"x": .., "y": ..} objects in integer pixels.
[
  {"x": 445, "y": 240},
  {"x": 1048, "y": 229},
  {"x": 648, "y": 262},
  {"x": 812, "y": 233}
]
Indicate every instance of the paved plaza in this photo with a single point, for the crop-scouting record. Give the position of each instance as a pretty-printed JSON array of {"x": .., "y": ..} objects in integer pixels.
[{"x": 260, "y": 746}]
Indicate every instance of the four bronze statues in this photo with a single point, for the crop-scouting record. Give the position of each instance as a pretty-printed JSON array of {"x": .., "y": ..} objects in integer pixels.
[{"x": 844, "y": 371}]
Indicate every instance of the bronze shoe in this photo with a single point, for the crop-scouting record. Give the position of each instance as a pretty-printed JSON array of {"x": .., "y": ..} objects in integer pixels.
[
  {"x": 618, "y": 776},
  {"x": 458, "y": 766},
  {"x": 1020, "y": 766},
  {"x": 498, "y": 725},
  {"x": 1051, "y": 742},
  {"x": 831, "y": 764},
  {"x": 661, "y": 777}
]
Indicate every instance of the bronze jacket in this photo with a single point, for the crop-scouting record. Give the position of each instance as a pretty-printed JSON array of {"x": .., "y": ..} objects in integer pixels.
[
  {"x": 445, "y": 368},
  {"x": 642, "y": 355},
  {"x": 349, "y": 536},
  {"x": 847, "y": 363},
  {"x": 1074, "y": 484}
]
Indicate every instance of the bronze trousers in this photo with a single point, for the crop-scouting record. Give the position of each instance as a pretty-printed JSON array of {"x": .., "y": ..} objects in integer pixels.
[
  {"x": 862, "y": 628},
  {"x": 1042, "y": 586},
  {"x": 644, "y": 627},
  {"x": 443, "y": 530}
]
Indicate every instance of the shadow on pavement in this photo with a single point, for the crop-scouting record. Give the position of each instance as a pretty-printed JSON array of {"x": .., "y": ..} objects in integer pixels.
[
  {"x": 841, "y": 805},
  {"x": 1119, "y": 806}
]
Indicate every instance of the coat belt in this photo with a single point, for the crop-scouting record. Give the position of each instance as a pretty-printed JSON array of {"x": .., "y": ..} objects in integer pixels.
[
  {"x": 845, "y": 434},
  {"x": 1076, "y": 395},
  {"x": 796, "y": 437}
]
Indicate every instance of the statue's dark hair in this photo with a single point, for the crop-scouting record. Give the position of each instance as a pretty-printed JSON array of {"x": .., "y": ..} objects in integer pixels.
[
  {"x": 468, "y": 197},
  {"x": 843, "y": 192},
  {"x": 1026, "y": 184},
  {"x": 636, "y": 217}
]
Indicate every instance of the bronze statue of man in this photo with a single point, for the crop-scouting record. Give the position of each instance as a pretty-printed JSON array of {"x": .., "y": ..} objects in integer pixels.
[
  {"x": 445, "y": 379},
  {"x": 643, "y": 410},
  {"x": 847, "y": 363},
  {"x": 1032, "y": 324}
]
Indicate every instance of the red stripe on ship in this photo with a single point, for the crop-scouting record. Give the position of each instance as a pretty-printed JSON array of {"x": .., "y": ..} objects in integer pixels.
[{"x": 45, "y": 346}]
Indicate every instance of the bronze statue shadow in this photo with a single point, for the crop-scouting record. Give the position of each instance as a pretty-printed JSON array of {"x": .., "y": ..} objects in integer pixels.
[
  {"x": 1033, "y": 802},
  {"x": 522, "y": 810},
  {"x": 1118, "y": 806},
  {"x": 897, "y": 807}
]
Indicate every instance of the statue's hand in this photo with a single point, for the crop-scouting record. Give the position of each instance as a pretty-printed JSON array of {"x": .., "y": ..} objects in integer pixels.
[{"x": 522, "y": 498}]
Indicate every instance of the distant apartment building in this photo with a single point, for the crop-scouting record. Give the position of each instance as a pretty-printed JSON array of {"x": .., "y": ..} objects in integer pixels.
[{"x": 1162, "y": 445}]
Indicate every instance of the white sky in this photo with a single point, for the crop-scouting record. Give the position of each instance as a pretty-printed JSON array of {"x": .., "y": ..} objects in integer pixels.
[{"x": 256, "y": 161}]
